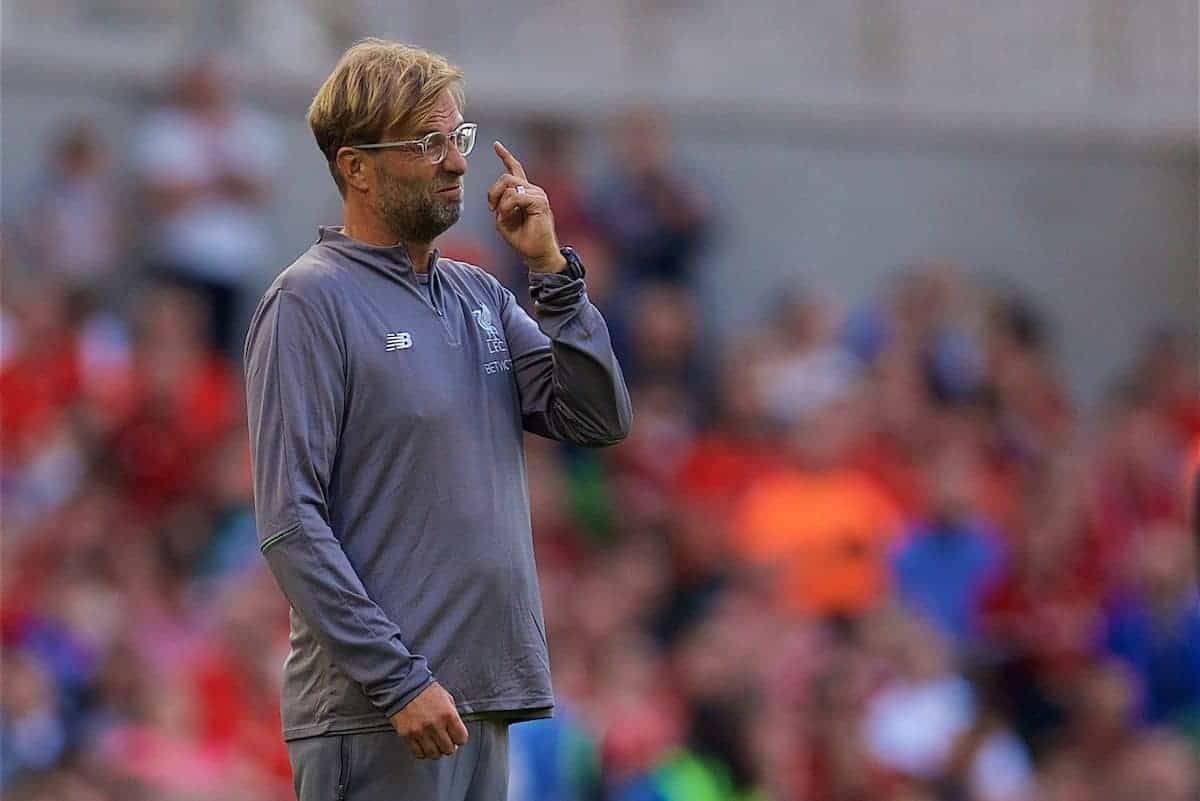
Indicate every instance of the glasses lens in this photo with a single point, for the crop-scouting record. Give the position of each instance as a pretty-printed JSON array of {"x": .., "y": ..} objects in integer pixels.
[
  {"x": 464, "y": 138},
  {"x": 435, "y": 147},
  {"x": 437, "y": 144}
]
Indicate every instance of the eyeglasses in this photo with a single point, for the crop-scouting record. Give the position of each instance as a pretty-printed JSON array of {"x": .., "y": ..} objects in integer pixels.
[{"x": 436, "y": 145}]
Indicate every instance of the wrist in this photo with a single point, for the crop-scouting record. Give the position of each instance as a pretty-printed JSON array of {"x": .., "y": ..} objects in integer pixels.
[
  {"x": 571, "y": 266},
  {"x": 553, "y": 262}
]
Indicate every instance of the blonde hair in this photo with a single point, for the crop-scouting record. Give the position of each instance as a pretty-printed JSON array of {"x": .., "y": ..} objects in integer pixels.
[{"x": 378, "y": 86}]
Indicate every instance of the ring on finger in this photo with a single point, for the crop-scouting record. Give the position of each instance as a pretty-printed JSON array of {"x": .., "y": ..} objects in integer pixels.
[{"x": 520, "y": 189}]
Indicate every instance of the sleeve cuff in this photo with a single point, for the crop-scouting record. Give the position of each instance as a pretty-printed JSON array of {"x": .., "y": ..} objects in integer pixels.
[
  {"x": 559, "y": 290},
  {"x": 405, "y": 698}
]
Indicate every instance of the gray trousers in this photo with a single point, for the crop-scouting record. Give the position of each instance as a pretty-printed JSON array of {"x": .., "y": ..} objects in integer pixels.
[{"x": 377, "y": 766}]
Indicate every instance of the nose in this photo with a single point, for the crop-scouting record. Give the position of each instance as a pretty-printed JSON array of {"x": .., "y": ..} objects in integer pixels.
[{"x": 455, "y": 162}]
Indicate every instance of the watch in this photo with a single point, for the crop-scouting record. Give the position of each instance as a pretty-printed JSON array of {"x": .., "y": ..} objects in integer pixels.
[{"x": 574, "y": 268}]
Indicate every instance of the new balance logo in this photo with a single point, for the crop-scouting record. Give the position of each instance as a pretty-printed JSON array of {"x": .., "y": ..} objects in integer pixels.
[{"x": 398, "y": 340}]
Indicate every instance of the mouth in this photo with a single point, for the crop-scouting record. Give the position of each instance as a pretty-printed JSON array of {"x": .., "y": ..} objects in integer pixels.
[{"x": 450, "y": 191}]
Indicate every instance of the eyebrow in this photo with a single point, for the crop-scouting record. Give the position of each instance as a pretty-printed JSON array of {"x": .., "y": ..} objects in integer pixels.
[{"x": 428, "y": 130}]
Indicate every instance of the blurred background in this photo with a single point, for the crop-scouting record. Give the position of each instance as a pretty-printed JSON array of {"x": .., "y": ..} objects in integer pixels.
[{"x": 906, "y": 293}]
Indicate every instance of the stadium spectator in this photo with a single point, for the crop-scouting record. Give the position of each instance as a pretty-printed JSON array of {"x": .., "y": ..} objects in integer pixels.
[
  {"x": 75, "y": 227},
  {"x": 1154, "y": 626},
  {"x": 820, "y": 526},
  {"x": 946, "y": 563},
  {"x": 206, "y": 166},
  {"x": 654, "y": 216}
]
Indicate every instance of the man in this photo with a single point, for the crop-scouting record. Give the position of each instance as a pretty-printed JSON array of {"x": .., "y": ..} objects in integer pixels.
[
  {"x": 207, "y": 165},
  {"x": 387, "y": 390}
]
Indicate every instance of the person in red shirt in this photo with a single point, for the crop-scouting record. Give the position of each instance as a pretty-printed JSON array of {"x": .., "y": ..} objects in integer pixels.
[
  {"x": 40, "y": 374},
  {"x": 182, "y": 398}
]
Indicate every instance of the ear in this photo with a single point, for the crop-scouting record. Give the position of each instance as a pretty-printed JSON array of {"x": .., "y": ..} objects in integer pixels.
[{"x": 354, "y": 168}]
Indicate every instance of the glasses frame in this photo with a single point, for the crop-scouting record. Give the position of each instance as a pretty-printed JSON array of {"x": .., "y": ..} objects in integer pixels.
[{"x": 424, "y": 144}]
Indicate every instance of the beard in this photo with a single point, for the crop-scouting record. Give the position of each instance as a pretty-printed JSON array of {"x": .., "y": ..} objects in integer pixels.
[{"x": 412, "y": 211}]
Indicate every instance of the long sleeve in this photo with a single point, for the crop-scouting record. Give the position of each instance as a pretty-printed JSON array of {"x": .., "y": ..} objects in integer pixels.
[
  {"x": 570, "y": 383},
  {"x": 295, "y": 391}
]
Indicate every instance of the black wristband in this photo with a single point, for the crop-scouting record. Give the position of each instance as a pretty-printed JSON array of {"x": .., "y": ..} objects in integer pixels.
[{"x": 574, "y": 268}]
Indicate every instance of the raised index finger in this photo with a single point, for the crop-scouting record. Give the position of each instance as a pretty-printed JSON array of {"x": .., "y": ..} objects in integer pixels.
[{"x": 510, "y": 161}]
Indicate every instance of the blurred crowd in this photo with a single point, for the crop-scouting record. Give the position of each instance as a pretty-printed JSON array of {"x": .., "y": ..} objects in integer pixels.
[{"x": 871, "y": 550}]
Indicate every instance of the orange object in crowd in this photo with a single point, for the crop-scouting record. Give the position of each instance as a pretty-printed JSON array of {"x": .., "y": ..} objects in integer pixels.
[{"x": 827, "y": 534}]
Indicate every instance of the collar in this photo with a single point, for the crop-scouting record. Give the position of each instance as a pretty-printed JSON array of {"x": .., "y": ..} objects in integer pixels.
[{"x": 394, "y": 256}]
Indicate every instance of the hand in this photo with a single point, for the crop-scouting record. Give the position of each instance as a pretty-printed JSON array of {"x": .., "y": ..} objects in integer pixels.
[
  {"x": 523, "y": 216},
  {"x": 430, "y": 724}
]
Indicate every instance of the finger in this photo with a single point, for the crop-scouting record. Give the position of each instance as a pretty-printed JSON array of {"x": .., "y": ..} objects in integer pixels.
[
  {"x": 512, "y": 208},
  {"x": 527, "y": 197},
  {"x": 497, "y": 189},
  {"x": 429, "y": 745},
  {"x": 510, "y": 161},
  {"x": 507, "y": 207},
  {"x": 458, "y": 731},
  {"x": 503, "y": 182},
  {"x": 444, "y": 743},
  {"x": 414, "y": 745}
]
